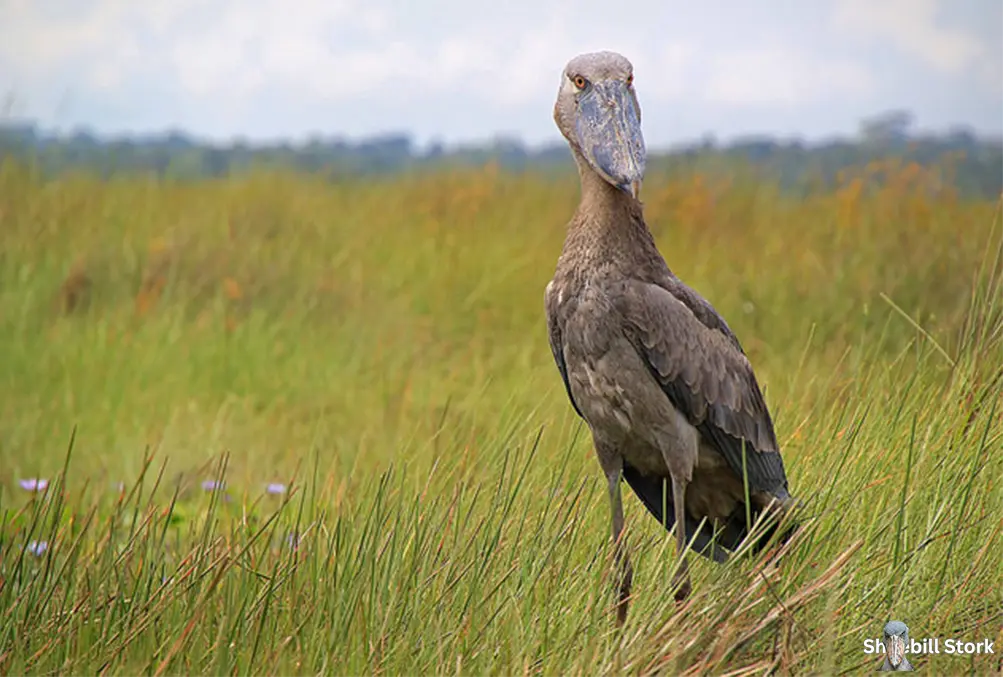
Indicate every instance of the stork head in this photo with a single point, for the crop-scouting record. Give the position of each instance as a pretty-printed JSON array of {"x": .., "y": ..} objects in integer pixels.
[
  {"x": 896, "y": 640},
  {"x": 597, "y": 112}
]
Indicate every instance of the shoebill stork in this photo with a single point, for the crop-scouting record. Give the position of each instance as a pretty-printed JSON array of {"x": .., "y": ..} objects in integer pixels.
[{"x": 662, "y": 382}]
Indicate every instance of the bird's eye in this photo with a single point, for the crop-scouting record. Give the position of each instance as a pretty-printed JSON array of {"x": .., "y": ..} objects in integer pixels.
[
  {"x": 580, "y": 82},
  {"x": 630, "y": 79}
]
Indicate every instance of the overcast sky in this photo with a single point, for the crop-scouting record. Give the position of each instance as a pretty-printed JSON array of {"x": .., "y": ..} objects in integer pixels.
[{"x": 461, "y": 70}]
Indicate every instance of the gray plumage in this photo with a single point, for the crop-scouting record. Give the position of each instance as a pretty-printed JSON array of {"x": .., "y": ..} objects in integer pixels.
[{"x": 657, "y": 374}]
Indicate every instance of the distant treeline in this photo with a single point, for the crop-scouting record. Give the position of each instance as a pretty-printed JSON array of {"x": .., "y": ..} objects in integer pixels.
[{"x": 975, "y": 163}]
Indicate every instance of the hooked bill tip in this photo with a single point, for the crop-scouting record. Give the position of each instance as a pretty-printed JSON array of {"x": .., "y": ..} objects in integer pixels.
[{"x": 631, "y": 187}]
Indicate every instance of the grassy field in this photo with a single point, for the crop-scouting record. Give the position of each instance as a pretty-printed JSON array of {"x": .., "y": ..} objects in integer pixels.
[{"x": 378, "y": 349}]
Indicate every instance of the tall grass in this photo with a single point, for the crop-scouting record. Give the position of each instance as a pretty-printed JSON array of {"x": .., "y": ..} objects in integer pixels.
[{"x": 378, "y": 348}]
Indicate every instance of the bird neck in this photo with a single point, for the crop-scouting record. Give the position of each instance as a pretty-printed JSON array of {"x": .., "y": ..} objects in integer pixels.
[
  {"x": 599, "y": 199},
  {"x": 609, "y": 227},
  {"x": 602, "y": 204}
]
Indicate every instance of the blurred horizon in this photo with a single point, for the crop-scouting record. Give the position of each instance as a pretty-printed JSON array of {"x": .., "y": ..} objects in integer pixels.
[
  {"x": 971, "y": 163},
  {"x": 905, "y": 124}
]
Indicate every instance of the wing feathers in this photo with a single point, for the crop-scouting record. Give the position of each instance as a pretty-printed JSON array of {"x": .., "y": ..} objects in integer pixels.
[
  {"x": 708, "y": 378},
  {"x": 557, "y": 344}
]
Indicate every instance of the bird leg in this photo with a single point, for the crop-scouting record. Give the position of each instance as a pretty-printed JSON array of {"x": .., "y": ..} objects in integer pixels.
[
  {"x": 624, "y": 571},
  {"x": 681, "y": 579}
]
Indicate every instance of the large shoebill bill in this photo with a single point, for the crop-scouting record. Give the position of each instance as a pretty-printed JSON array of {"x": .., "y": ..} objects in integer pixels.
[{"x": 662, "y": 382}]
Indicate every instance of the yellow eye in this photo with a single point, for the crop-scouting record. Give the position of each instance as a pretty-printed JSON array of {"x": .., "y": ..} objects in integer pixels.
[{"x": 580, "y": 82}]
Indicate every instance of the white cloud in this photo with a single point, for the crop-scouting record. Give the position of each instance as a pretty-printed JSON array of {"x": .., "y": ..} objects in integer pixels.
[
  {"x": 249, "y": 45},
  {"x": 98, "y": 45},
  {"x": 233, "y": 49},
  {"x": 229, "y": 48},
  {"x": 668, "y": 75},
  {"x": 773, "y": 76},
  {"x": 913, "y": 27}
]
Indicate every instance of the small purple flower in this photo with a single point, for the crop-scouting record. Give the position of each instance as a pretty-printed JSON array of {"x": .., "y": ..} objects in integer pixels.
[
  {"x": 34, "y": 484},
  {"x": 293, "y": 541},
  {"x": 213, "y": 485},
  {"x": 275, "y": 488},
  {"x": 37, "y": 548}
]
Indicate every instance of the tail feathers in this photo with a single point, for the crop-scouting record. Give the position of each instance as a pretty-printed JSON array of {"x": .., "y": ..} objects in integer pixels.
[{"x": 655, "y": 493}]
